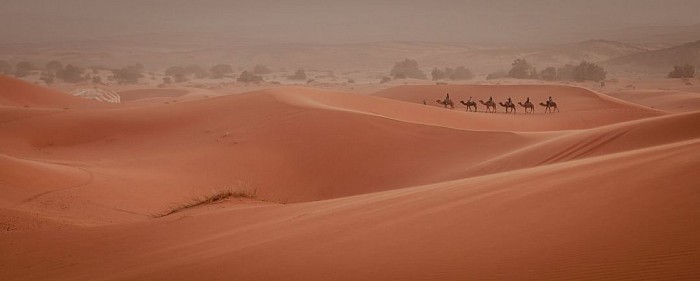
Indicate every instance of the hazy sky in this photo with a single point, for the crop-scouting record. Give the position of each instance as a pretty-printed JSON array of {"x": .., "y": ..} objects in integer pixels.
[{"x": 340, "y": 21}]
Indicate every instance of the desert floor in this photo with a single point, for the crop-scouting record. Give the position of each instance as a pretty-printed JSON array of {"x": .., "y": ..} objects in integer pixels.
[{"x": 351, "y": 183}]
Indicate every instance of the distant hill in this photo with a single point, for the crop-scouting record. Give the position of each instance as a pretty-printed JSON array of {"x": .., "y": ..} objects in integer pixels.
[
  {"x": 591, "y": 50},
  {"x": 661, "y": 60}
]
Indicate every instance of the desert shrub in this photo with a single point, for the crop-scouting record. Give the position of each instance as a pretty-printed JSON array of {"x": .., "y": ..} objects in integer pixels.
[
  {"x": 218, "y": 71},
  {"x": 70, "y": 74},
  {"x": 351, "y": 81},
  {"x": 178, "y": 73},
  {"x": 5, "y": 67},
  {"x": 407, "y": 68},
  {"x": 521, "y": 69},
  {"x": 549, "y": 74},
  {"x": 249, "y": 77},
  {"x": 385, "y": 79},
  {"x": 437, "y": 74},
  {"x": 586, "y": 71},
  {"x": 261, "y": 69},
  {"x": 54, "y": 67},
  {"x": 247, "y": 191},
  {"x": 300, "y": 74},
  {"x": 23, "y": 68},
  {"x": 682, "y": 71},
  {"x": 129, "y": 74}
]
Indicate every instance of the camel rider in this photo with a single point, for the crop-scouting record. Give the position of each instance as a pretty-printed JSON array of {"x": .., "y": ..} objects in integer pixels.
[
  {"x": 528, "y": 100},
  {"x": 490, "y": 99},
  {"x": 550, "y": 101},
  {"x": 470, "y": 99},
  {"x": 510, "y": 102},
  {"x": 447, "y": 97}
]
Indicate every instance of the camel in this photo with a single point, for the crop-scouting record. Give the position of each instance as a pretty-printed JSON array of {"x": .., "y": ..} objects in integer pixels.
[
  {"x": 508, "y": 105},
  {"x": 549, "y": 105},
  {"x": 469, "y": 105},
  {"x": 527, "y": 105},
  {"x": 489, "y": 104},
  {"x": 446, "y": 103}
]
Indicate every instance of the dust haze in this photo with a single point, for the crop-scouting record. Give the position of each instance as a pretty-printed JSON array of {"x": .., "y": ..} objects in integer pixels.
[{"x": 309, "y": 21}]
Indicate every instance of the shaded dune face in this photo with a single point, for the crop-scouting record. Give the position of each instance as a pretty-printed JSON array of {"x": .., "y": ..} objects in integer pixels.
[{"x": 348, "y": 186}]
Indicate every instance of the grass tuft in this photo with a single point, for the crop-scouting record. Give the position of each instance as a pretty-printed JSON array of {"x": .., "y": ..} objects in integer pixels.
[{"x": 214, "y": 197}]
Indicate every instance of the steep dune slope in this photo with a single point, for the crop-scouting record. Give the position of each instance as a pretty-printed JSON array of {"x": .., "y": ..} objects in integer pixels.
[
  {"x": 629, "y": 215},
  {"x": 595, "y": 142},
  {"x": 672, "y": 101}
]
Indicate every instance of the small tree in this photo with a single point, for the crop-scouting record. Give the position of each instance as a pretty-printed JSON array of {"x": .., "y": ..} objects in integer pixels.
[
  {"x": 522, "y": 70},
  {"x": 70, "y": 74},
  {"x": 129, "y": 74},
  {"x": 218, "y": 71},
  {"x": 249, "y": 77},
  {"x": 682, "y": 71},
  {"x": 407, "y": 69},
  {"x": 300, "y": 74},
  {"x": 178, "y": 73},
  {"x": 261, "y": 69},
  {"x": 23, "y": 68},
  {"x": 588, "y": 71},
  {"x": 549, "y": 74},
  {"x": 54, "y": 67},
  {"x": 437, "y": 74}
]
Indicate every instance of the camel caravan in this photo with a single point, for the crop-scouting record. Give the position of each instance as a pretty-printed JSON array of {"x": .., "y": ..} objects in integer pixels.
[{"x": 549, "y": 105}]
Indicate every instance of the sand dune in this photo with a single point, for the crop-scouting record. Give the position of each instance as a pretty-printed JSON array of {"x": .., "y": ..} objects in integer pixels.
[
  {"x": 580, "y": 108},
  {"x": 673, "y": 101},
  {"x": 15, "y": 92},
  {"x": 596, "y": 142},
  {"x": 350, "y": 187},
  {"x": 532, "y": 224}
]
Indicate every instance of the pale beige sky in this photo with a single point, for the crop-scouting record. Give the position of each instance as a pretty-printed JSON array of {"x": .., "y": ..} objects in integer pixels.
[{"x": 506, "y": 21}]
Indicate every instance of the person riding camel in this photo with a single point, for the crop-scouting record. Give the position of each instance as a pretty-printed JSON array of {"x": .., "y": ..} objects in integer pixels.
[
  {"x": 470, "y": 100},
  {"x": 447, "y": 97},
  {"x": 490, "y": 99},
  {"x": 528, "y": 100},
  {"x": 510, "y": 102},
  {"x": 550, "y": 101}
]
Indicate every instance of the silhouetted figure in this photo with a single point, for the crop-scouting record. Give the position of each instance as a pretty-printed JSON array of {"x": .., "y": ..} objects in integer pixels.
[{"x": 425, "y": 103}]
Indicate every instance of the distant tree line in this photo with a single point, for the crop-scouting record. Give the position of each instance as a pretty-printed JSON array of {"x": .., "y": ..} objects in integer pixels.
[{"x": 584, "y": 71}]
